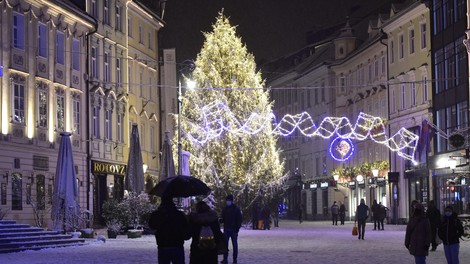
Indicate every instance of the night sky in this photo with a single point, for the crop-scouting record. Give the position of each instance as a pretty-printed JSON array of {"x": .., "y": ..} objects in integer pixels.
[{"x": 269, "y": 28}]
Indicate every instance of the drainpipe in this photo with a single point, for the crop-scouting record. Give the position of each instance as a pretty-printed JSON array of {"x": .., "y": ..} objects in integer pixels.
[
  {"x": 87, "y": 93},
  {"x": 390, "y": 189}
]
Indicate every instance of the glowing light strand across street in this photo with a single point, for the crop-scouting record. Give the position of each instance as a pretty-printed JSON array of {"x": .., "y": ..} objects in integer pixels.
[{"x": 217, "y": 118}]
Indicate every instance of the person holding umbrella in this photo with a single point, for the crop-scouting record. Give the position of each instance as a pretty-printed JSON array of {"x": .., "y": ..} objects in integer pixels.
[
  {"x": 232, "y": 219},
  {"x": 172, "y": 230}
]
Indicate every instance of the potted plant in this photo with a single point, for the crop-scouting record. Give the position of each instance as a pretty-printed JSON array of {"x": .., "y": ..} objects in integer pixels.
[
  {"x": 113, "y": 228},
  {"x": 138, "y": 208},
  {"x": 115, "y": 216}
]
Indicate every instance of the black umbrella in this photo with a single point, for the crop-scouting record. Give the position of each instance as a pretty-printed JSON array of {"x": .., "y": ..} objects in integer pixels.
[{"x": 180, "y": 186}]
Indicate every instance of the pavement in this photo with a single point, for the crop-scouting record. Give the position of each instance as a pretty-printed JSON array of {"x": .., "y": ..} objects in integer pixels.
[{"x": 309, "y": 242}]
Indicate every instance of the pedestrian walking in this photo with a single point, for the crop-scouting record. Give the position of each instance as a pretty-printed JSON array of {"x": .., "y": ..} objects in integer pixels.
[
  {"x": 254, "y": 215},
  {"x": 434, "y": 216},
  {"x": 375, "y": 214},
  {"x": 172, "y": 230},
  {"x": 232, "y": 219},
  {"x": 342, "y": 212},
  {"x": 334, "y": 213},
  {"x": 266, "y": 213},
  {"x": 450, "y": 231},
  {"x": 203, "y": 218},
  {"x": 362, "y": 213},
  {"x": 418, "y": 235},
  {"x": 381, "y": 215}
]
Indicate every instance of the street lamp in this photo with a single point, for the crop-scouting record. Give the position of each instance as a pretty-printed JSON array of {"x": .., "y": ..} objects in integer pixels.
[
  {"x": 375, "y": 172},
  {"x": 359, "y": 178},
  {"x": 190, "y": 85},
  {"x": 336, "y": 178}
]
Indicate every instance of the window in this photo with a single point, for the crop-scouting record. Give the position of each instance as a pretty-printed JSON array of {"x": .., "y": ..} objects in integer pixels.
[
  {"x": 412, "y": 41},
  {"x": 42, "y": 40},
  {"x": 322, "y": 92},
  {"x": 342, "y": 81},
  {"x": 324, "y": 170},
  {"x": 76, "y": 54},
  {"x": 60, "y": 48},
  {"x": 403, "y": 96},
  {"x": 413, "y": 92},
  {"x": 152, "y": 139},
  {"x": 129, "y": 27},
  {"x": 392, "y": 101},
  {"x": 16, "y": 192},
  {"x": 317, "y": 167},
  {"x": 141, "y": 79},
  {"x": 118, "y": 72},
  {"x": 376, "y": 69},
  {"x": 392, "y": 50},
  {"x": 60, "y": 102},
  {"x": 315, "y": 92},
  {"x": 94, "y": 9},
  {"x": 129, "y": 76},
  {"x": 96, "y": 122},
  {"x": 118, "y": 18},
  {"x": 141, "y": 34},
  {"x": 76, "y": 114},
  {"x": 107, "y": 125},
  {"x": 42, "y": 108},
  {"x": 401, "y": 46},
  {"x": 142, "y": 135},
  {"x": 120, "y": 128},
  {"x": 18, "y": 103},
  {"x": 18, "y": 31},
  {"x": 425, "y": 88},
  {"x": 106, "y": 12},
  {"x": 150, "y": 88},
  {"x": 369, "y": 72},
  {"x": 150, "y": 39},
  {"x": 107, "y": 77},
  {"x": 449, "y": 119},
  {"x": 94, "y": 62},
  {"x": 423, "y": 36},
  {"x": 383, "y": 64}
]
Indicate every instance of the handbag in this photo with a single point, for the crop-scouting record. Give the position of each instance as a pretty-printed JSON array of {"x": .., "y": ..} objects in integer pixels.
[
  {"x": 221, "y": 243},
  {"x": 354, "y": 230}
]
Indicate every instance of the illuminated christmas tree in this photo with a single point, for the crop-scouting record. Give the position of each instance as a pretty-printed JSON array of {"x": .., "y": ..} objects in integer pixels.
[{"x": 245, "y": 165}]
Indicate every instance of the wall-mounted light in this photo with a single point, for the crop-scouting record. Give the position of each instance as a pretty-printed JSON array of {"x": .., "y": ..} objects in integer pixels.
[
  {"x": 336, "y": 177},
  {"x": 359, "y": 178},
  {"x": 145, "y": 166}
]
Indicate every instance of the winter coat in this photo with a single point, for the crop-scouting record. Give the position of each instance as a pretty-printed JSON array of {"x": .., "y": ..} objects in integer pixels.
[
  {"x": 342, "y": 209},
  {"x": 196, "y": 221},
  {"x": 418, "y": 236},
  {"x": 434, "y": 216},
  {"x": 381, "y": 212},
  {"x": 232, "y": 217},
  {"x": 375, "y": 209},
  {"x": 362, "y": 212},
  {"x": 450, "y": 230},
  {"x": 170, "y": 225},
  {"x": 334, "y": 209}
]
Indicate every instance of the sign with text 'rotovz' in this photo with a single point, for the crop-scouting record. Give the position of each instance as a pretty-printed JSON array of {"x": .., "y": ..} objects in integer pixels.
[{"x": 98, "y": 167}]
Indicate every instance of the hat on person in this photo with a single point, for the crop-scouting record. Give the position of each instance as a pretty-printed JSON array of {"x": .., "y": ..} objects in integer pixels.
[{"x": 229, "y": 197}]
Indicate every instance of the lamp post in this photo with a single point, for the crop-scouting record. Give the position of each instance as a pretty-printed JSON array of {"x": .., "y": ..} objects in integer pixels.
[{"x": 190, "y": 84}]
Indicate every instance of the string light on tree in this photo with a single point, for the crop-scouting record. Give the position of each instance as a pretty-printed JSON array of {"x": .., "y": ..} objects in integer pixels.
[{"x": 217, "y": 118}]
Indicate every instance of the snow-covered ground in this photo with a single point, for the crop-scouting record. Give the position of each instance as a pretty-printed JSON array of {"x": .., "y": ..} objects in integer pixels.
[{"x": 309, "y": 242}]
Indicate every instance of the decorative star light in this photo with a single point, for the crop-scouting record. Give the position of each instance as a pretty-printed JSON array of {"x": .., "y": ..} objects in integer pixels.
[{"x": 217, "y": 118}]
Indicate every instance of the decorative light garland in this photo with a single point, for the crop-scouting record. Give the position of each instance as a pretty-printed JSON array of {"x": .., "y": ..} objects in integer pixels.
[{"x": 217, "y": 117}]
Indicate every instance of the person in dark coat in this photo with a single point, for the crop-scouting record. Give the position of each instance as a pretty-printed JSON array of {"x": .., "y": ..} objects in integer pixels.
[
  {"x": 362, "y": 213},
  {"x": 418, "y": 235},
  {"x": 204, "y": 216},
  {"x": 375, "y": 214},
  {"x": 342, "y": 212},
  {"x": 334, "y": 213},
  {"x": 232, "y": 219},
  {"x": 266, "y": 214},
  {"x": 381, "y": 215},
  {"x": 434, "y": 216},
  {"x": 255, "y": 215},
  {"x": 450, "y": 231},
  {"x": 172, "y": 230}
]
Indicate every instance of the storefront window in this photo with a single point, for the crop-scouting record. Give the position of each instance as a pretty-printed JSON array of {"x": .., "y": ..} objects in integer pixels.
[
  {"x": 419, "y": 189},
  {"x": 453, "y": 190}
]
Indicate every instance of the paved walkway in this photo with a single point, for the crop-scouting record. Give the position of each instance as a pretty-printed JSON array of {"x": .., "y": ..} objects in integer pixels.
[{"x": 309, "y": 242}]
